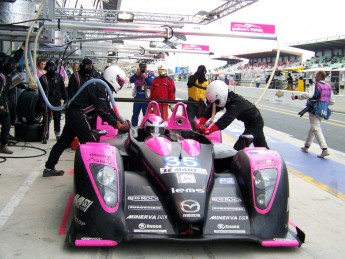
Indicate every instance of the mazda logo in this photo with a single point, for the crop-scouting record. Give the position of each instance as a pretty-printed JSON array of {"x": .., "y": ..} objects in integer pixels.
[{"x": 190, "y": 206}]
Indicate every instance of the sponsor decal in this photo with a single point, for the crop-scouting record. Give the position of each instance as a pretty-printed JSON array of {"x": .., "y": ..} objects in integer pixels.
[
  {"x": 145, "y": 226},
  {"x": 229, "y": 218},
  {"x": 190, "y": 206},
  {"x": 81, "y": 202},
  {"x": 191, "y": 215},
  {"x": 78, "y": 221},
  {"x": 101, "y": 159},
  {"x": 252, "y": 27},
  {"x": 142, "y": 198},
  {"x": 226, "y": 199},
  {"x": 186, "y": 178},
  {"x": 187, "y": 190},
  {"x": 226, "y": 180},
  {"x": 229, "y": 231},
  {"x": 214, "y": 208},
  {"x": 149, "y": 230},
  {"x": 91, "y": 238},
  {"x": 147, "y": 217},
  {"x": 138, "y": 207},
  {"x": 224, "y": 226},
  {"x": 183, "y": 170}
]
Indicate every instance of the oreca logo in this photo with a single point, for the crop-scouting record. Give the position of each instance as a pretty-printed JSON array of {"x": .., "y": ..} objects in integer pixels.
[{"x": 190, "y": 206}]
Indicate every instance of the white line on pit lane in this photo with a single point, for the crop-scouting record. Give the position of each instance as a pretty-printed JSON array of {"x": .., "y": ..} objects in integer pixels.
[{"x": 17, "y": 197}]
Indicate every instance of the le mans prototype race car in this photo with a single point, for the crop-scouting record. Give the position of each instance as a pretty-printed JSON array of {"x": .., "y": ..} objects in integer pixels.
[{"x": 178, "y": 184}]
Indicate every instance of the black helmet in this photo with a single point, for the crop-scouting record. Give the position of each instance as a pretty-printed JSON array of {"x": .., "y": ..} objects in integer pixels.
[
  {"x": 86, "y": 66},
  {"x": 50, "y": 65}
]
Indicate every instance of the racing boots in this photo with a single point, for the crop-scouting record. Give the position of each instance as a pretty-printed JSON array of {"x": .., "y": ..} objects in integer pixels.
[
  {"x": 52, "y": 172},
  {"x": 4, "y": 149}
]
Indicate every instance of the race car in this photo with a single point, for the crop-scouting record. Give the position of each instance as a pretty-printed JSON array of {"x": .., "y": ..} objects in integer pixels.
[{"x": 166, "y": 181}]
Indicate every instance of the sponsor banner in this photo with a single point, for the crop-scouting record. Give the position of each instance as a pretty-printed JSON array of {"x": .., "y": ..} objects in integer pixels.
[
  {"x": 195, "y": 47},
  {"x": 252, "y": 27},
  {"x": 177, "y": 170}
]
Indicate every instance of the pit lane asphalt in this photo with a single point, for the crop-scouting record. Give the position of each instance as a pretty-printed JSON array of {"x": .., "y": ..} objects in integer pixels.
[{"x": 35, "y": 211}]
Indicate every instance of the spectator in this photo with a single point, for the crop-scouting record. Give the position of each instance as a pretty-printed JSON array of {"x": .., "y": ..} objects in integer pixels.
[
  {"x": 197, "y": 85},
  {"x": 257, "y": 81},
  {"x": 40, "y": 67},
  {"x": 290, "y": 82},
  {"x": 163, "y": 88},
  {"x": 321, "y": 92},
  {"x": 53, "y": 86},
  {"x": 226, "y": 80},
  {"x": 140, "y": 91},
  {"x": 236, "y": 108}
]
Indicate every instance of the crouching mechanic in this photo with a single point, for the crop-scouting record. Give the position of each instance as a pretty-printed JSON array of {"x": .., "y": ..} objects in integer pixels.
[
  {"x": 236, "y": 108},
  {"x": 93, "y": 99}
]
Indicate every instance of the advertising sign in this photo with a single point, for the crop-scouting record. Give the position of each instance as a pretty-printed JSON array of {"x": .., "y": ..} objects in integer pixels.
[
  {"x": 195, "y": 47},
  {"x": 252, "y": 27}
]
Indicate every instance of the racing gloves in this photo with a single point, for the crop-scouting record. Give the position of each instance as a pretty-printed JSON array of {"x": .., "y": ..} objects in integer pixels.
[
  {"x": 122, "y": 127},
  {"x": 208, "y": 131},
  {"x": 200, "y": 123}
]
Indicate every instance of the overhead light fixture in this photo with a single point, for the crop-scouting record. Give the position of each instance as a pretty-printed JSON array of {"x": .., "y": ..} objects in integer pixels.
[
  {"x": 202, "y": 15},
  {"x": 125, "y": 17}
]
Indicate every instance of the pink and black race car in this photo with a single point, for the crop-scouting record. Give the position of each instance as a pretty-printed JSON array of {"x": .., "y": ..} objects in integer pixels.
[{"x": 170, "y": 182}]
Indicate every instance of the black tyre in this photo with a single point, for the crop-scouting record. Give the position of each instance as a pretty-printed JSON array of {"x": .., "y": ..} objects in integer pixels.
[{"x": 29, "y": 107}]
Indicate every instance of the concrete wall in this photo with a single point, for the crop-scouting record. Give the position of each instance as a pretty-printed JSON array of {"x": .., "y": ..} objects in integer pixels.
[{"x": 284, "y": 97}]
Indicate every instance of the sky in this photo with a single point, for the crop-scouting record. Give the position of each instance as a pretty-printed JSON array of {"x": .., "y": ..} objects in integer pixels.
[{"x": 295, "y": 21}]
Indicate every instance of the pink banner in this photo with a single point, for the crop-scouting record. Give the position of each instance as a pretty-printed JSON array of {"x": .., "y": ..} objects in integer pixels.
[
  {"x": 252, "y": 27},
  {"x": 195, "y": 47}
]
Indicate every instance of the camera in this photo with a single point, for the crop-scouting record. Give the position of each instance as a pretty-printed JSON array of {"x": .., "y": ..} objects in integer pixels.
[{"x": 309, "y": 107}]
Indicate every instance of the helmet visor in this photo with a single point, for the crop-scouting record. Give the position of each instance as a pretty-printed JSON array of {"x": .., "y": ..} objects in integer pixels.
[{"x": 155, "y": 130}]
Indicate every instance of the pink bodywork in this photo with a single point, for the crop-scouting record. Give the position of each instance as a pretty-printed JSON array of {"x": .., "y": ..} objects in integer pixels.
[
  {"x": 80, "y": 242},
  {"x": 102, "y": 125}
]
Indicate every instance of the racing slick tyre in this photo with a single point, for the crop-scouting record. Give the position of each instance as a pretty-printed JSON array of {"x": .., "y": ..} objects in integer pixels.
[
  {"x": 29, "y": 107},
  {"x": 263, "y": 180}
]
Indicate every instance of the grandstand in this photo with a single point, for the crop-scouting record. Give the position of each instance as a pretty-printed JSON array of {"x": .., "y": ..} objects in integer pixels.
[{"x": 329, "y": 55}]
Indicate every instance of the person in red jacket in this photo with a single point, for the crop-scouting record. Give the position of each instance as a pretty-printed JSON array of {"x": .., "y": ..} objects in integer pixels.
[{"x": 163, "y": 88}]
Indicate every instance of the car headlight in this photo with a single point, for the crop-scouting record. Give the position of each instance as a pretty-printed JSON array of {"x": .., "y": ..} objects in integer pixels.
[
  {"x": 264, "y": 183},
  {"x": 106, "y": 175},
  {"x": 106, "y": 180}
]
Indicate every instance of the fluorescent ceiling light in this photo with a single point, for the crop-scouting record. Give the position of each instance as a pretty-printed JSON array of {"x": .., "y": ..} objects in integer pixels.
[{"x": 125, "y": 17}]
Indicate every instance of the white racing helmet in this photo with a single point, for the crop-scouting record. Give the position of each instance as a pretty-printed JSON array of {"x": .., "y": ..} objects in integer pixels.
[
  {"x": 115, "y": 77},
  {"x": 154, "y": 125},
  {"x": 217, "y": 92}
]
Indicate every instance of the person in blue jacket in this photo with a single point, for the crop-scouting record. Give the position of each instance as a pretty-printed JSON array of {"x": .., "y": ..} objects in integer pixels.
[{"x": 142, "y": 82}]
